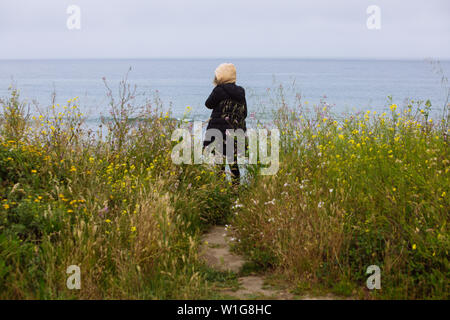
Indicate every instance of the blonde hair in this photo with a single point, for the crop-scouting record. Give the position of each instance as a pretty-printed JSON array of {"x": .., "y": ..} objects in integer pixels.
[{"x": 225, "y": 73}]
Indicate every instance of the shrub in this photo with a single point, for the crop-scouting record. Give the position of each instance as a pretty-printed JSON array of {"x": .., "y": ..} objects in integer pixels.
[{"x": 352, "y": 192}]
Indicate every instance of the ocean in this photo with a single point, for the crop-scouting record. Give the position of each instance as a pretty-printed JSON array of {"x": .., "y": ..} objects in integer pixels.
[{"x": 345, "y": 85}]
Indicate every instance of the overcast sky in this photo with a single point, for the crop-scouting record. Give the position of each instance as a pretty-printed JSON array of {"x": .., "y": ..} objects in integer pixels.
[{"x": 413, "y": 29}]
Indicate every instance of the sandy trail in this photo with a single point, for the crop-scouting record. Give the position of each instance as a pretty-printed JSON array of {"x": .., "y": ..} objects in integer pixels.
[{"x": 216, "y": 253}]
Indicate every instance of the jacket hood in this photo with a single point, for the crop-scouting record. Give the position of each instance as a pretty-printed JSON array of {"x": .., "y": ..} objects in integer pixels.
[
  {"x": 234, "y": 92},
  {"x": 225, "y": 73}
]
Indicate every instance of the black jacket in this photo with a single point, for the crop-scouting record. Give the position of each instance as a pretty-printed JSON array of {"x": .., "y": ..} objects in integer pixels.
[{"x": 229, "y": 107}]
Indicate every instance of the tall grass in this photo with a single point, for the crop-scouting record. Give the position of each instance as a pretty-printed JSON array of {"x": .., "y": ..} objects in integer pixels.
[
  {"x": 365, "y": 189},
  {"x": 355, "y": 191},
  {"x": 112, "y": 203}
]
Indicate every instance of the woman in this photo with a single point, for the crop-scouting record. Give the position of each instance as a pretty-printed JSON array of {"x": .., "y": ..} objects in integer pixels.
[{"x": 229, "y": 109}]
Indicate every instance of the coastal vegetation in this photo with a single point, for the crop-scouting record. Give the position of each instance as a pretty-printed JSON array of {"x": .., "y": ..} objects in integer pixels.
[{"x": 352, "y": 190}]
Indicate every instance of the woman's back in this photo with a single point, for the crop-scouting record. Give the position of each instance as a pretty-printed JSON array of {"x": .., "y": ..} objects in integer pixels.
[{"x": 229, "y": 107}]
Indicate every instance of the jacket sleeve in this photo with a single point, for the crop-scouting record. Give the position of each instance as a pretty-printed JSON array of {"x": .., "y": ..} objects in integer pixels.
[{"x": 214, "y": 98}]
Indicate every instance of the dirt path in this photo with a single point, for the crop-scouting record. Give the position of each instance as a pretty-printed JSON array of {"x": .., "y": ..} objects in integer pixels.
[{"x": 216, "y": 253}]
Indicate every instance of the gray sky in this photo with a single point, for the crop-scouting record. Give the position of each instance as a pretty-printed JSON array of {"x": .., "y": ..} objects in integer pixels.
[{"x": 413, "y": 29}]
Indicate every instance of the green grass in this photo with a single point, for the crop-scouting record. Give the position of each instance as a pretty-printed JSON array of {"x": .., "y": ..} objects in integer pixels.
[
  {"x": 351, "y": 192},
  {"x": 116, "y": 206},
  {"x": 354, "y": 191}
]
